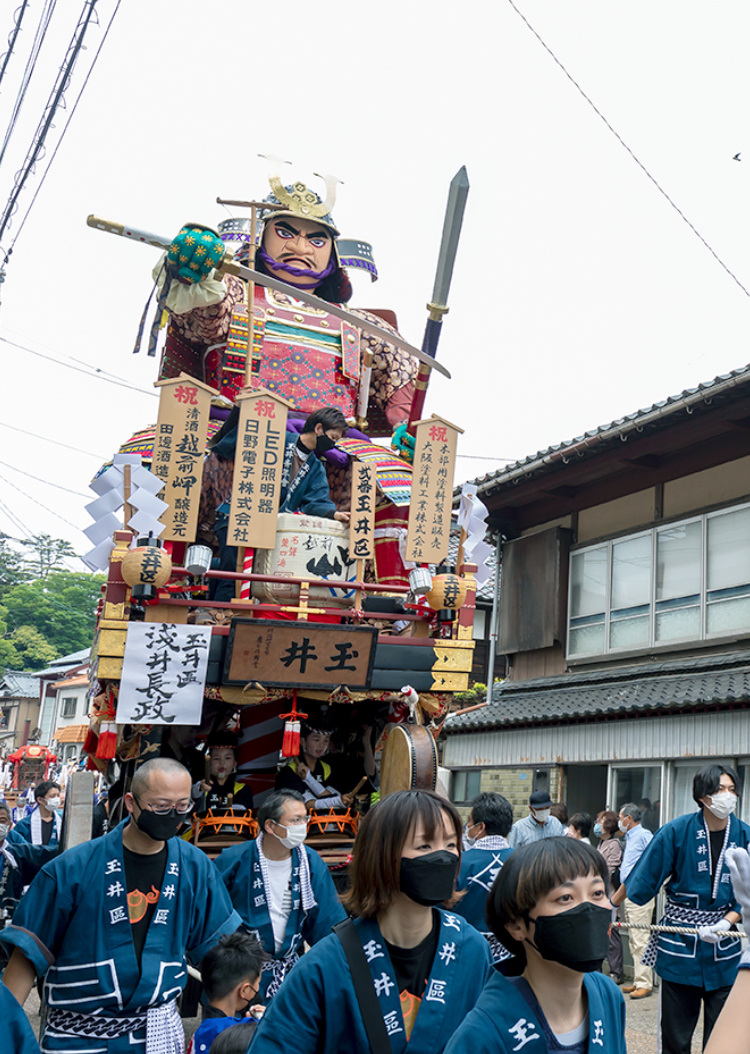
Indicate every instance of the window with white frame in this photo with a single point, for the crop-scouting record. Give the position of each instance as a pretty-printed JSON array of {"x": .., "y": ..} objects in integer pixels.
[
  {"x": 679, "y": 582},
  {"x": 69, "y": 707}
]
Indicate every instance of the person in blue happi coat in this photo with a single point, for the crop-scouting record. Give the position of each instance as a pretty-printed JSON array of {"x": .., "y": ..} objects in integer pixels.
[
  {"x": 549, "y": 906},
  {"x": 689, "y": 854},
  {"x": 43, "y": 825},
  {"x": 425, "y": 964},
  {"x": 281, "y": 889},
  {"x": 109, "y": 924},
  {"x": 486, "y": 848}
]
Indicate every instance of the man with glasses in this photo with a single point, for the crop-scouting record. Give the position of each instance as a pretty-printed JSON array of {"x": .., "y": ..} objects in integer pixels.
[
  {"x": 280, "y": 887},
  {"x": 110, "y": 922}
]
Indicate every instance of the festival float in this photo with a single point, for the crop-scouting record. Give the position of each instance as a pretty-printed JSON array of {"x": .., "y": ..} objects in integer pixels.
[{"x": 233, "y": 616}]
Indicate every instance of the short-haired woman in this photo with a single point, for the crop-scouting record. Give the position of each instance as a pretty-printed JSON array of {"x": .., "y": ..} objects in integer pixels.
[
  {"x": 549, "y": 907},
  {"x": 425, "y": 965}
]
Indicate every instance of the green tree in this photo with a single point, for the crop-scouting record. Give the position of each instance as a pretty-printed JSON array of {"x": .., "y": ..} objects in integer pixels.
[
  {"x": 47, "y": 555},
  {"x": 12, "y": 569},
  {"x": 32, "y": 651},
  {"x": 61, "y": 607}
]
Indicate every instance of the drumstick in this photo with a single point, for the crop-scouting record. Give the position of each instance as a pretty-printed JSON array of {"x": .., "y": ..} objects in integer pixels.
[{"x": 363, "y": 780}]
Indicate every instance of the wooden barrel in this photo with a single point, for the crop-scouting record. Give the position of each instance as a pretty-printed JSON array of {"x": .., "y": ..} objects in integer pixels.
[{"x": 409, "y": 760}]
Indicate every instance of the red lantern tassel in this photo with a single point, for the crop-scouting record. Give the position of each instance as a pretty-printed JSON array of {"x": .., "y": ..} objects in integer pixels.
[
  {"x": 106, "y": 748},
  {"x": 290, "y": 744},
  {"x": 89, "y": 743}
]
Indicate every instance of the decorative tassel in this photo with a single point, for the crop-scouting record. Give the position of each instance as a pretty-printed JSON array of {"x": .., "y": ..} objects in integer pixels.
[
  {"x": 89, "y": 743},
  {"x": 290, "y": 745},
  {"x": 106, "y": 748}
]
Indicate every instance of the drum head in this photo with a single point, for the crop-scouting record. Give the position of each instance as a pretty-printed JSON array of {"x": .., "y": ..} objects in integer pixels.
[{"x": 409, "y": 761}]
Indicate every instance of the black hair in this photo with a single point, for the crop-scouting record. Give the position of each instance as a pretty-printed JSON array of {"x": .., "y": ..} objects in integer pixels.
[
  {"x": 273, "y": 806},
  {"x": 235, "y": 958},
  {"x": 42, "y": 789},
  {"x": 528, "y": 875},
  {"x": 707, "y": 781},
  {"x": 494, "y": 811},
  {"x": 235, "y": 1039},
  {"x": 328, "y": 416},
  {"x": 582, "y": 823}
]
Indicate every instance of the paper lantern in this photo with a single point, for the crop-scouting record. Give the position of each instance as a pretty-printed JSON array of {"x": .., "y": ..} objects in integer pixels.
[
  {"x": 146, "y": 568},
  {"x": 448, "y": 591}
]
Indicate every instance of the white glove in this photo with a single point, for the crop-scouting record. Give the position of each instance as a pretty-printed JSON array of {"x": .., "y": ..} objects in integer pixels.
[
  {"x": 738, "y": 862},
  {"x": 713, "y": 934}
]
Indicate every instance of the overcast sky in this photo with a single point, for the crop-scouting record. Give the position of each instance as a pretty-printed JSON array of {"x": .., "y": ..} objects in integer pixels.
[{"x": 580, "y": 294}]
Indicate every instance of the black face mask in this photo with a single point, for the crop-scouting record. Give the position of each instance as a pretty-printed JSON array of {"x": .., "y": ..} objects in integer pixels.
[
  {"x": 160, "y": 827},
  {"x": 324, "y": 443},
  {"x": 577, "y": 938},
  {"x": 429, "y": 879}
]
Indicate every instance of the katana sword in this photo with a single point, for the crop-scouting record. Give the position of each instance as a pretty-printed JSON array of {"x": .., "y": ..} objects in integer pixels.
[
  {"x": 228, "y": 266},
  {"x": 438, "y": 306}
]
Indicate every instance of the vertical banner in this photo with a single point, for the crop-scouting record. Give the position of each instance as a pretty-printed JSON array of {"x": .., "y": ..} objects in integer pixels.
[
  {"x": 258, "y": 467},
  {"x": 362, "y": 522},
  {"x": 179, "y": 448},
  {"x": 432, "y": 490},
  {"x": 163, "y": 674}
]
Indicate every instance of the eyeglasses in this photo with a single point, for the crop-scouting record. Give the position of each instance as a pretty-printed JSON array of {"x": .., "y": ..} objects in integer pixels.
[{"x": 180, "y": 807}]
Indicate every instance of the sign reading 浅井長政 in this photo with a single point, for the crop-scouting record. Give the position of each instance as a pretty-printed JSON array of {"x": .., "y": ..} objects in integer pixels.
[{"x": 163, "y": 674}]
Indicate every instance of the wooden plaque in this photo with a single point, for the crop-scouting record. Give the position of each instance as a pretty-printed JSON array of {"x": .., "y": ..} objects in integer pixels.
[
  {"x": 362, "y": 522},
  {"x": 279, "y": 654},
  {"x": 432, "y": 491}
]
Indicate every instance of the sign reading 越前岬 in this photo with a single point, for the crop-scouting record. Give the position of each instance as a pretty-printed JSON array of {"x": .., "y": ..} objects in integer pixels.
[
  {"x": 163, "y": 674},
  {"x": 299, "y": 653},
  {"x": 179, "y": 448},
  {"x": 258, "y": 468},
  {"x": 432, "y": 490},
  {"x": 362, "y": 522}
]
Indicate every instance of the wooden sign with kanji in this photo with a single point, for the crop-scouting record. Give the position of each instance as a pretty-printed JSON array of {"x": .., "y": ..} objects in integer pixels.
[
  {"x": 299, "y": 653},
  {"x": 432, "y": 490},
  {"x": 179, "y": 448},
  {"x": 258, "y": 464},
  {"x": 362, "y": 522}
]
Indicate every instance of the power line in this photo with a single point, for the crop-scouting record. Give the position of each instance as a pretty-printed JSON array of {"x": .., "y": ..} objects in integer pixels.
[
  {"x": 12, "y": 38},
  {"x": 14, "y": 520},
  {"x": 76, "y": 46},
  {"x": 622, "y": 143},
  {"x": 41, "y": 33},
  {"x": 99, "y": 376},
  {"x": 55, "y": 442},
  {"x": 49, "y": 482},
  {"x": 46, "y": 509}
]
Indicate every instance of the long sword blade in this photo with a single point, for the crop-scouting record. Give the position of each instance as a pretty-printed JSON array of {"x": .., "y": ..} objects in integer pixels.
[{"x": 454, "y": 215}]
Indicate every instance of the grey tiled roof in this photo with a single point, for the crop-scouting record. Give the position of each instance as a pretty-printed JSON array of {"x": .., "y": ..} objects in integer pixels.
[
  {"x": 622, "y": 424},
  {"x": 66, "y": 662},
  {"x": 19, "y": 685},
  {"x": 711, "y": 681}
]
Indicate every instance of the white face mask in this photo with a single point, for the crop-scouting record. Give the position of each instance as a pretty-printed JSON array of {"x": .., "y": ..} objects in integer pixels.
[
  {"x": 52, "y": 803},
  {"x": 467, "y": 842},
  {"x": 295, "y": 835},
  {"x": 4, "y": 828},
  {"x": 542, "y": 815},
  {"x": 722, "y": 804},
  {"x": 622, "y": 827}
]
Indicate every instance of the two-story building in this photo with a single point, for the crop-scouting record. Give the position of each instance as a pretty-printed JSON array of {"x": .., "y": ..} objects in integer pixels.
[{"x": 624, "y": 614}]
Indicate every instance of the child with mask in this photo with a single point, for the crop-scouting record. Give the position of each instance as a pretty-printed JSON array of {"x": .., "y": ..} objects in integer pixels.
[
  {"x": 230, "y": 973},
  {"x": 421, "y": 966},
  {"x": 549, "y": 906}
]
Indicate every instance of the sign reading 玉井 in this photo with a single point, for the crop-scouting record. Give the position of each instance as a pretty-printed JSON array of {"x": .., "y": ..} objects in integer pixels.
[
  {"x": 362, "y": 522},
  {"x": 258, "y": 468},
  {"x": 179, "y": 447},
  {"x": 432, "y": 491},
  {"x": 163, "y": 674},
  {"x": 299, "y": 653}
]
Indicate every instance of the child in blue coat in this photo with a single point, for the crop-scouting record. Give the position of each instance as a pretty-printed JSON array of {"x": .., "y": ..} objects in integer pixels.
[{"x": 549, "y": 906}]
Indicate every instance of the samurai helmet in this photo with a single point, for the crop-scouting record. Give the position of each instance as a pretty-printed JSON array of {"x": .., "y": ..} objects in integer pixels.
[{"x": 297, "y": 200}]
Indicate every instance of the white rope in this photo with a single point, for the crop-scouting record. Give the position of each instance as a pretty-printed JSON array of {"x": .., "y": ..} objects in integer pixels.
[{"x": 691, "y": 930}]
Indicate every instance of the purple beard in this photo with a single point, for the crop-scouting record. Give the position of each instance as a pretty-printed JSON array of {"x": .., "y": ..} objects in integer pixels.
[{"x": 297, "y": 272}]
